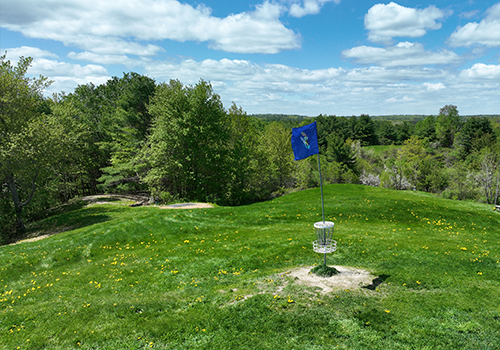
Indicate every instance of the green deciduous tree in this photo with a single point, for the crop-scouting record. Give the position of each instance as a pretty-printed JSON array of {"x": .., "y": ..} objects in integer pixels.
[
  {"x": 187, "y": 150},
  {"x": 447, "y": 125},
  {"x": 32, "y": 142},
  {"x": 275, "y": 142}
]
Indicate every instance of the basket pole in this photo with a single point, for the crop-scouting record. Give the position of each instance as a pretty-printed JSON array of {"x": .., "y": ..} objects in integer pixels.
[{"x": 322, "y": 203}]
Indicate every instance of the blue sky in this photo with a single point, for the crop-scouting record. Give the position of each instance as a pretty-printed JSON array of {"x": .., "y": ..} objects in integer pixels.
[{"x": 334, "y": 57}]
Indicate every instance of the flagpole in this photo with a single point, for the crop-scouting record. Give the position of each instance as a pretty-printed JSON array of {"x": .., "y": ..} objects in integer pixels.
[
  {"x": 321, "y": 186},
  {"x": 322, "y": 203}
]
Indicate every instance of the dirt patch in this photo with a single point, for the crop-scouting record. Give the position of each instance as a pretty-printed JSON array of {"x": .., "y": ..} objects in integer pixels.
[
  {"x": 348, "y": 278},
  {"x": 113, "y": 198}
]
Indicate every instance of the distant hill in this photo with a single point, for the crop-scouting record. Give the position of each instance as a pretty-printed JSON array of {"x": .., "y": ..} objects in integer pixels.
[
  {"x": 280, "y": 117},
  {"x": 396, "y": 118}
]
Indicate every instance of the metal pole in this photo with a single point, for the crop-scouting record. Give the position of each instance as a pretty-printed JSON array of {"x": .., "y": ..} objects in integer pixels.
[
  {"x": 322, "y": 204},
  {"x": 321, "y": 186}
]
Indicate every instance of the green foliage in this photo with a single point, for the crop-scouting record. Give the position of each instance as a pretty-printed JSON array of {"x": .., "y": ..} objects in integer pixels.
[
  {"x": 29, "y": 140},
  {"x": 325, "y": 271},
  {"x": 447, "y": 125},
  {"x": 187, "y": 150},
  {"x": 386, "y": 133},
  {"x": 475, "y": 134},
  {"x": 426, "y": 129},
  {"x": 340, "y": 152},
  {"x": 131, "y": 126},
  {"x": 363, "y": 129}
]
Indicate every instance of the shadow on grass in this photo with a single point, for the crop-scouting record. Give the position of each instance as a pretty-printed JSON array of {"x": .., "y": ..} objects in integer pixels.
[
  {"x": 377, "y": 282},
  {"x": 64, "y": 218}
]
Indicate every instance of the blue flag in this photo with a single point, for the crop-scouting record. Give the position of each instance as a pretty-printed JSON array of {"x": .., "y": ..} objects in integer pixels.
[{"x": 305, "y": 141}]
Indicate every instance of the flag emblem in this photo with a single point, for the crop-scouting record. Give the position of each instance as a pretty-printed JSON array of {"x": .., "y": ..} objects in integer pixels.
[{"x": 305, "y": 140}]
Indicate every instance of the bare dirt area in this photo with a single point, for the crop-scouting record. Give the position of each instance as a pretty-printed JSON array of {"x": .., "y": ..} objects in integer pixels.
[
  {"x": 349, "y": 278},
  {"x": 114, "y": 198}
]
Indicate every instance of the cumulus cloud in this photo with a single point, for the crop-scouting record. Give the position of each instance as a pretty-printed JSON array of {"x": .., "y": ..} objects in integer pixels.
[
  {"x": 385, "y": 22},
  {"x": 237, "y": 70},
  {"x": 104, "y": 59},
  {"x": 398, "y": 100},
  {"x": 65, "y": 76},
  {"x": 482, "y": 72},
  {"x": 308, "y": 7},
  {"x": 51, "y": 67},
  {"x": 403, "y": 54},
  {"x": 27, "y": 51},
  {"x": 434, "y": 86},
  {"x": 107, "y": 27},
  {"x": 486, "y": 32}
]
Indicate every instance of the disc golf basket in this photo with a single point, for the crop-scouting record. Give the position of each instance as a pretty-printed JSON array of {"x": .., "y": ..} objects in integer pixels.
[{"x": 324, "y": 243}]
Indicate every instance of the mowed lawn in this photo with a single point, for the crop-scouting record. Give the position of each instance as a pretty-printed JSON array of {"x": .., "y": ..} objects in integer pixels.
[{"x": 145, "y": 277}]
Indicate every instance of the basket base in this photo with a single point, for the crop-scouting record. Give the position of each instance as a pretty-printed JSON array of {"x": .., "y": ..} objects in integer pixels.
[{"x": 320, "y": 246}]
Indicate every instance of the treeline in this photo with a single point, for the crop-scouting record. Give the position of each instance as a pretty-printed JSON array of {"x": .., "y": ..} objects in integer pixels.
[
  {"x": 175, "y": 142},
  {"x": 130, "y": 135}
]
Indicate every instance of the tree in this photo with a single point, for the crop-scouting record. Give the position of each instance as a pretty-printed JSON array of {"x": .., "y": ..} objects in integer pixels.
[
  {"x": 426, "y": 129},
  {"x": 25, "y": 137},
  {"x": 447, "y": 125},
  {"x": 93, "y": 106},
  {"x": 128, "y": 132},
  {"x": 404, "y": 131},
  {"x": 244, "y": 183},
  {"x": 489, "y": 175},
  {"x": 363, "y": 129},
  {"x": 275, "y": 143},
  {"x": 341, "y": 152},
  {"x": 475, "y": 134},
  {"x": 187, "y": 150},
  {"x": 387, "y": 133}
]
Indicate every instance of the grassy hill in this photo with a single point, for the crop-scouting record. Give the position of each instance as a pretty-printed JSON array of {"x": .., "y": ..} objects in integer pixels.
[{"x": 145, "y": 277}]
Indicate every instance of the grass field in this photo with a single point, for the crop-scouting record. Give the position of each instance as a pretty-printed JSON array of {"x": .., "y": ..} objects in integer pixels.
[
  {"x": 378, "y": 149},
  {"x": 137, "y": 278}
]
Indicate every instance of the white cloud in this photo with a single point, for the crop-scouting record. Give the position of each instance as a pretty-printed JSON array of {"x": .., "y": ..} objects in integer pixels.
[
  {"x": 275, "y": 88},
  {"x": 398, "y": 100},
  {"x": 392, "y": 20},
  {"x": 482, "y": 72},
  {"x": 27, "y": 51},
  {"x": 403, "y": 54},
  {"x": 104, "y": 59},
  {"x": 434, "y": 87},
  {"x": 51, "y": 67},
  {"x": 191, "y": 71},
  {"x": 107, "y": 27},
  {"x": 309, "y": 7},
  {"x": 486, "y": 32},
  {"x": 65, "y": 76}
]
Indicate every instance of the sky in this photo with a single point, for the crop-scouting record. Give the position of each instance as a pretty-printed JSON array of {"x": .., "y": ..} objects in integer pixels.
[{"x": 305, "y": 57}]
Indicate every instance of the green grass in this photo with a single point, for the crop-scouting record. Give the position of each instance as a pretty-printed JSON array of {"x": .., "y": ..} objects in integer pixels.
[
  {"x": 134, "y": 278},
  {"x": 379, "y": 149}
]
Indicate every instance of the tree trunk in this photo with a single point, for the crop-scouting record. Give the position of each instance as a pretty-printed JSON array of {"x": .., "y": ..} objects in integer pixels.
[
  {"x": 497, "y": 188},
  {"x": 18, "y": 206}
]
